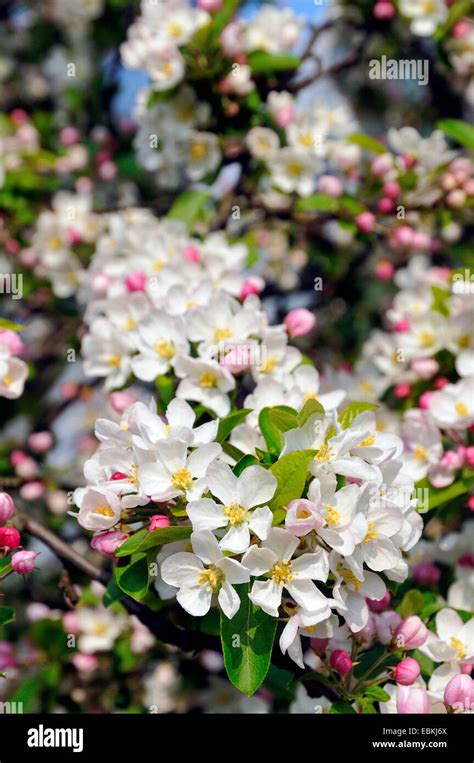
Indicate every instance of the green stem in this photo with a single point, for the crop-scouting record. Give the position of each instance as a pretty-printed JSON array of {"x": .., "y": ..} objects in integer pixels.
[{"x": 367, "y": 673}]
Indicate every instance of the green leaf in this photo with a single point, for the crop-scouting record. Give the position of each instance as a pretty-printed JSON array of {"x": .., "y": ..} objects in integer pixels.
[
  {"x": 367, "y": 142},
  {"x": 6, "y": 324},
  {"x": 224, "y": 15},
  {"x": 266, "y": 63},
  {"x": 460, "y": 131},
  {"x": 165, "y": 389},
  {"x": 144, "y": 540},
  {"x": 247, "y": 642},
  {"x": 376, "y": 692},
  {"x": 273, "y": 422},
  {"x": 188, "y": 207},
  {"x": 341, "y": 707},
  {"x": 318, "y": 202},
  {"x": 232, "y": 451},
  {"x": 7, "y": 615},
  {"x": 440, "y": 298},
  {"x": 291, "y": 472},
  {"x": 310, "y": 407},
  {"x": 411, "y": 604},
  {"x": 352, "y": 411},
  {"x": 112, "y": 594},
  {"x": 133, "y": 578},
  {"x": 232, "y": 420},
  {"x": 439, "y": 496},
  {"x": 247, "y": 460}
]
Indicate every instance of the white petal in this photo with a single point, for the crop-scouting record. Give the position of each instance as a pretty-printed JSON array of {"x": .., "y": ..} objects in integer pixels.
[
  {"x": 261, "y": 521},
  {"x": 236, "y": 539},
  {"x": 205, "y": 515},
  {"x": 206, "y": 547},
  {"x": 282, "y": 543},
  {"x": 234, "y": 571},
  {"x": 448, "y": 624},
  {"x": 259, "y": 560},
  {"x": 289, "y": 633},
  {"x": 196, "y": 601},
  {"x": 307, "y": 595},
  {"x": 181, "y": 569},
  {"x": 267, "y": 595},
  {"x": 255, "y": 485},
  {"x": 222, "y": 482},
  {"x": 228, "y": 600},
  {"x": 199, "y": 461},
  {"x": 311, "y": 566}
]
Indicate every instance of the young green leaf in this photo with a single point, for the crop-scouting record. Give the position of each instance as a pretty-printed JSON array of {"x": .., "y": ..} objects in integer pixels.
[
  {"x": 133, "y": 578},
  {"x": 291, "y": 472},
  {"x": 247, "y": 642}
]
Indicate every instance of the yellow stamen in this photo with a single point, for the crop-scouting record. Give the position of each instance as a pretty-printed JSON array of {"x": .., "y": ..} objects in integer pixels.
[
  {"x": 420, "y": 453},
  {"x": 332, "y": 515},
  {"x": 7, "y": 380},
  {"x": 325, "y": 453},
  {"x": 198, "y": 151},
  {"x": 309, "y": 396},
  {"x": 371, "y": 533},
  {"x": 99, "y": 629},
  {"x": 210, "y": 578},
  {"x": 281, "y": 573},
  {"x": 130, "y": 324},
  {"x": 165, "y": 349},
  {"x": 104, "y": 511},
  {"x": 368, "y": 442},
  {"x": 133, "y": 478},
  {"x": 295, "y": 169},
  {"x": 458, "y": 645},
  {"x": 349, "y": 577},
  {"x": 182, "y": 479},
  {"x": 269, "y": 365},
  {"x": 235, "y": 513},
  {"x": 208, "y": 380},
  {"x": 461, "y": 409},
  {"x": 222, "y": 333},
  {"x": 426, "y": 339},
  {"x": 114, "y": 360}
]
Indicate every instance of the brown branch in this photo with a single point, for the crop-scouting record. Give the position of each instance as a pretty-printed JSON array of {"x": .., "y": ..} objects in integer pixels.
[
  {"x": 157, "y": 623},
  {"x": 353, "y": 57}
]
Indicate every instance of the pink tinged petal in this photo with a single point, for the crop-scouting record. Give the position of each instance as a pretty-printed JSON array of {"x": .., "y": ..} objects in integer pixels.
[
  {"x": 206, "y": 515},
  {"x": 259, "y": 560},
  {"x": 267, "y": 595},
  {"x": 196, "y": 601},
  {"x": 199, "y": 461},
  {"x": 261, "y": 521},
  {"x": 181, "y": 569},
  {"x": 255, "y": 485},
  {"x": 206, "y": 547},
  {"x": 234, "y": 571},
  {"x": 306, "y": 595},
  {"x": 289, "y": 633},
  {"x": 311, "y": 566},
  {"x": 282, "y": 543},
  {"x": 236, "y": 539},
  {"x": 222, "y": 482}
]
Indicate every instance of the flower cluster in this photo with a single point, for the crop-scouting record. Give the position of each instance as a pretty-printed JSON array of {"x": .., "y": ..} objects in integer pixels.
[
  {"x": 13, "y": 370},
  {"x": 22, "y": 562}
]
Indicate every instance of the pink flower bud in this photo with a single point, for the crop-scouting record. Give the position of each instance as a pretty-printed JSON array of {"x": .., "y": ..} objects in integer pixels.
[
  {"x": 402, "y": 390},
  {"x": 459, "y": 693},
  {"x": 71, "y": 623},
  {"x": 7, "y": 508},
  {"x": 31, "y": 491},
  {"x": 425, "y": 368},
  {"x": 466, "y": 668},
  {"x": 426, "y": 573},
  {"x": 407, "y": 671},
  {"x": 7, "y": 655},
  {"x": 299, "y": 322},
  {"x": 40, "y": 442},
  {"x": 424, "y": 401},
  {"x": 410, "y": 634},
  {"x": 158, "y": 521},
  {"x": 73, "y": 236},
  {"x": 9, "y": 537},
  {"x": 382, "y": 164},
  {"x": 252, "y": 285},
  {"x": 421, "y": 241},
  {"x": 384, "y": 10},
  {"x": 121, "y": 400},
  {"x": 385, "y": 205},
  {"x": 18, "y": 117},
  {"x": 401, "y": 326},
  {"x": 302, "y": 517},
  {"x": 468, "y": 187},
  {"x": 412, "y": 699},
  {"x": 331, "y": 185},
  {"x": 384, "y": 270},
  {"x": 365, "y": 221},
  {"x": 108, "y": 542},
  {"x": 69, "y": 135},
  {"x": 392, "y": 189},
  {"x": 23, "y": 562},
  {"x": 381, "y": 604},
  {"x": 85, "y": 663},
  {"x": 285, "y": 116},
  {"x": 340, "y": 662},
  {"x": 27, "y": 468},
  {"x": 402, "y": 237},
  {"x": 470, "y": 503},
  {"x": 191, "y": 254},
  {"x": 135, "y": 281},
  {"x": 12, "y": 341},
  {"x": 210, "y": 6},
  {"x": 118, "y": 476},
  {"x": 456, "y": 198},
  {"x": 460, "y": 29},
  {"x": 469, "y": 456},
  {"x": 17, "y": 457},
  {"x": 409, "y": 161},
  {"x": 386, "y": 624},
  {"x": 69, "y": 390}
]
